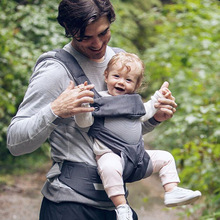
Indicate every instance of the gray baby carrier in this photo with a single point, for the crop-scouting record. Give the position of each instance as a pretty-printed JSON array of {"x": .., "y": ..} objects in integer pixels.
[
  {"x": 83, "y": 177},
  {"x": 134, "y": 155}
]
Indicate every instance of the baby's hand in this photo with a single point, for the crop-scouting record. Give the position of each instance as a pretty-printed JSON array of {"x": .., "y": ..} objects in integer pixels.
[
  {"x": 167, "y": 105},
  {"x": 84, "y": 86},
  {"x": 166, "y": 93}
]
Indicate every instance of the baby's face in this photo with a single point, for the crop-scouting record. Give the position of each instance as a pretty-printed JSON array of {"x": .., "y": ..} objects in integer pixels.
[{"x": 120, "y": 80}]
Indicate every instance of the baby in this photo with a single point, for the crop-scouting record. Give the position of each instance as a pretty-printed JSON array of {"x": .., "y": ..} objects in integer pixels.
[{"x": 124, "y": 75}]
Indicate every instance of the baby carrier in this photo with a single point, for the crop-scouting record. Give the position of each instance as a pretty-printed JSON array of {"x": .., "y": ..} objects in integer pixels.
[{"x": 83, "y": 177}]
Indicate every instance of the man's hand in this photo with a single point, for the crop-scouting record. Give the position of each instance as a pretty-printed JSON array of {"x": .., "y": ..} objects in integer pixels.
[
  {"x": 166, "y": 106},
  {"x": 69, "y": 102}
]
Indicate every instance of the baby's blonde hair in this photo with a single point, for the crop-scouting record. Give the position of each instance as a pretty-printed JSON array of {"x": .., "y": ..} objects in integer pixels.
[{"x": 124, "y": 58}]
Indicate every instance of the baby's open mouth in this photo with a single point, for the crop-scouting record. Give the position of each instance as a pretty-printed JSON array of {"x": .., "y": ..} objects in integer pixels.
[{"x": 119, "y": 89}]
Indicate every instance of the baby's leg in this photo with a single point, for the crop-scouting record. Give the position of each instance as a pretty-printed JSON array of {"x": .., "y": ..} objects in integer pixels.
[
  {"x": 110, "y": 171},
  {"x": 164, "y": 164}
]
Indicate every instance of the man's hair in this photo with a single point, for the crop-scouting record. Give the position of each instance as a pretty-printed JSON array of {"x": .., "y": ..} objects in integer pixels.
[
  {"x": 76, "y": 15},
  {"x": 125, "y": 58}
]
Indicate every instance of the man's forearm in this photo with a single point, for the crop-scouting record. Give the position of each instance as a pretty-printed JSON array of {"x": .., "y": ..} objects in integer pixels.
[{"x": 26, "y": 134}]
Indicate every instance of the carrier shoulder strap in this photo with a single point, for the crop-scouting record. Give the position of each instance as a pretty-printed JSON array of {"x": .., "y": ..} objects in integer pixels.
[{"x": 70, "y": 63}]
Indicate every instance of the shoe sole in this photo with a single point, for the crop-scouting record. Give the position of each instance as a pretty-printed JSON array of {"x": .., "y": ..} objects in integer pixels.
[{"x": 180, "y": 203}]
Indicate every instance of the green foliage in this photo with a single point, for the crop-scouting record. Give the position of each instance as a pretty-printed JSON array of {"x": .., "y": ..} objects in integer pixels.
[
  {"x": 27, "y": 29},
  {"x": 132, "y": 29},
  {"x": 186, "y": 53},
  {"x": 179, "y": 42}
]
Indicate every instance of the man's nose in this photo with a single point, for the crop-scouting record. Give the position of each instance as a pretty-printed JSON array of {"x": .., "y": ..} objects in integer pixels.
[{"x": 97, "y": 43}]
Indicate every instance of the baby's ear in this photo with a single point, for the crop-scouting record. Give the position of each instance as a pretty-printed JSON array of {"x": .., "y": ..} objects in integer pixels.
[
  {"x": 138, "y": 85},
  {"x": 106, "y": 75}
]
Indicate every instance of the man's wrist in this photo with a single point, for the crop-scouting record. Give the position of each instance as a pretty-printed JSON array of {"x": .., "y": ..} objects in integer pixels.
[
  {"x": 57, "y": 119},
  {"x": 153, "y": 121}
]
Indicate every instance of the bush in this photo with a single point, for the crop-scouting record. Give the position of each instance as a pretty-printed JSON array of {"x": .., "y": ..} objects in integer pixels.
[
  {"x": 186, "y": 53},
  {"x": 27, "y": 29},
  {"x": 179, "y": 42}
]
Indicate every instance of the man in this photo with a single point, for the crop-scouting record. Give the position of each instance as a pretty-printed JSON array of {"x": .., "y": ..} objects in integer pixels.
[{"x": 51, "y": 101}]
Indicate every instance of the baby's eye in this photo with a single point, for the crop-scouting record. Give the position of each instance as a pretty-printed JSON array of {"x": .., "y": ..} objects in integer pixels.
[
  {"x": 116, "y": 76},
  {"x": 128, "y": 80}
]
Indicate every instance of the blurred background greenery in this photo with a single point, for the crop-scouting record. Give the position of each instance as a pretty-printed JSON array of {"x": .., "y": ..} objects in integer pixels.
[{"x": 178, "y": 41}]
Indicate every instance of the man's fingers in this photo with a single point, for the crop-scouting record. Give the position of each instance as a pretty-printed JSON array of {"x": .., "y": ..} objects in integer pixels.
[
  {"x": 85, "y": 99},
  {"x": 169, "y": 107},
  {"x": 90, "y": 86},
  {"x": 83, "y": 109},
  {"x": 168, "y": 95},
  {"x": 79, "y": 108},
  {"x": 168, "y": 112},
  {"x": 166, "y": 102},
  {"x": 85, "y": 86},
  {"x": 85, "y": 93}
]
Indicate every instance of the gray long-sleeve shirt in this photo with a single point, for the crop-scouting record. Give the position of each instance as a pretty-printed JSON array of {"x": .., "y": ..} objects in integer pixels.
[{"x": 35, "y": 122}]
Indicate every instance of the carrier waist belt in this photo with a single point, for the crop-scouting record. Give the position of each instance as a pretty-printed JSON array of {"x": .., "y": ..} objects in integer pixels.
[{"x": 84, "y": 179}]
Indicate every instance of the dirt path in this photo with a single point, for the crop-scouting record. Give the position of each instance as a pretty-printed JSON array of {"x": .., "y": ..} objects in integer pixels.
[{"x": 22, "y": 200}]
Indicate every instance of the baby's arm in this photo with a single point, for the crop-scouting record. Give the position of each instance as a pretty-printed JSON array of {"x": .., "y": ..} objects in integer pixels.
[
  {"x": 85, "y": 119},
  {"x": 149, "y": 106}
]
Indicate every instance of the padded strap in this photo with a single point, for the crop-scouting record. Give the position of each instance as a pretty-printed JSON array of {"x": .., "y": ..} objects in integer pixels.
[
  {"x": 70, "y": 63},
  {"x": 84, "y": 179},
  {"x": 74, "y": 68},
  {"x": 130, "y": 106}
]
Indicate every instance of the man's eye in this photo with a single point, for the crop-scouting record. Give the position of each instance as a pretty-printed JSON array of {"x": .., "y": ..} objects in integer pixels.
[
  {"x": 105, "y": 32},
  {"x": 82, "y": 39},
  {"x": 85, "y": 38}
]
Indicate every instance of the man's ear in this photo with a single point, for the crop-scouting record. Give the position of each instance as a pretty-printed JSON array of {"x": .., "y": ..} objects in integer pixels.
[{"x": 66, "y": 29}]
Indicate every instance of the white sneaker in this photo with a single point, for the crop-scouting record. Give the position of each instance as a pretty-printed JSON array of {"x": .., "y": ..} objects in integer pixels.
[
  {"x": 180, "y": 196},
  {"x": 124, "y": 212}
]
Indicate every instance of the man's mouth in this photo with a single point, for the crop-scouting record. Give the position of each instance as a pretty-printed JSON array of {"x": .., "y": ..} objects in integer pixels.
[{"x": 96, "y": 50}]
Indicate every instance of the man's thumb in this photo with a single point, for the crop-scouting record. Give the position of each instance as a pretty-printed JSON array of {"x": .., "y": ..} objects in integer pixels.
[{"x": 71, "y": 85}]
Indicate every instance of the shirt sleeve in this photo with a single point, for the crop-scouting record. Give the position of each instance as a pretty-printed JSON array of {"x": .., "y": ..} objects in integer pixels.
[
  {"x": 35, "y": 120},
  {"x": 148, "y": 122},
  {"x": 84, "y": 120},
  {"x": 149, "y": 106}
]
